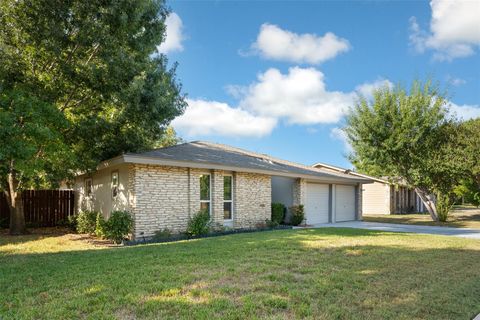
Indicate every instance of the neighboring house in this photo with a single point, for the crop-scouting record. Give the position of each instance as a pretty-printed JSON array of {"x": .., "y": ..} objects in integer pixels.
[
  {"x": 162, "y": 188},
  {"x": 383, "y": 197}
]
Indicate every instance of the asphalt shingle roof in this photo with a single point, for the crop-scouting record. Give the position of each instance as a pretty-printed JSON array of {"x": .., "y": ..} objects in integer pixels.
[{"x": 212, "y": 153}]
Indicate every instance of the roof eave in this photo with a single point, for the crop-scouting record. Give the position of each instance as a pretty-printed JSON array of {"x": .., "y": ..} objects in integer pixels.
[
  {"x": 132, "y": 158},
  {"x": 350, "y": 172}
]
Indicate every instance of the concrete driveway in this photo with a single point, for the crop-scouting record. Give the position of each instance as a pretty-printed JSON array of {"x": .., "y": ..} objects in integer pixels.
[{"x": 391, "y": 227}]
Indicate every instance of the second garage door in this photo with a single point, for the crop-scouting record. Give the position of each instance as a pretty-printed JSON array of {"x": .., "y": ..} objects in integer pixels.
[
  {"x": 344, "y": 203},
  {"x": 316, "y": 206}
]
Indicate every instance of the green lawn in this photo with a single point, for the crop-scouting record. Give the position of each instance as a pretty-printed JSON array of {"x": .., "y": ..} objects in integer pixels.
[
  {"x": 317, "y": 274},
  {"x": 460, "y": 217}
]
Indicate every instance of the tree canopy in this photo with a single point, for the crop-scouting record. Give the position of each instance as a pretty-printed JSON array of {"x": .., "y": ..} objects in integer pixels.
[
  {"x": 89, "y": 73},
  {"x": 409, "y": 136}
]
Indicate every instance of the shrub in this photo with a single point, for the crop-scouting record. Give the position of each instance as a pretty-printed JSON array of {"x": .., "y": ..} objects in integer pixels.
[
  {"x": 444, "y": 205},
  {"x": 72, "y": 222},
  {"x": 199, "y": 224},
  {"x": 298, "y": 214},
  {"x": 476, "y": 199},
  {"x": 278, "y": 212},
  {"x": 162, "y": 234},
  {"x": 271, "y": 224},
  {"x": 100, "y": 226},
  {"x": 118, "y": 226},
  {"x": 217, "y": 227},
  {"x": 86, "y": 221}
]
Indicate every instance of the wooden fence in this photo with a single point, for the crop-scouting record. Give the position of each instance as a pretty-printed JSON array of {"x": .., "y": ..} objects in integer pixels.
[{"x": 43, "y": 208}]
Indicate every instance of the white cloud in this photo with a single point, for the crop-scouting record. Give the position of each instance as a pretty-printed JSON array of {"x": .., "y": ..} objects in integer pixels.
[
  {"x": 174, "y": 35},
  {"x": 454, "y": 29},
  {"x": 366, "y": 89},
  {"x": 455, "y": 81},
  {"x": 299, "y": 97},
  {"x": 278, "y": 44},
  {"x": 465, "y": 112},
  {"x": 203, "y": 117},
  {"x": 338, "y": 134}
]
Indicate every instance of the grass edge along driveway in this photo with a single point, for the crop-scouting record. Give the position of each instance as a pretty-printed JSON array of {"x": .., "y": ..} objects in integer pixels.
[
  {"x": 313, "y": 273},
  {"x": 460, "y": 217}
]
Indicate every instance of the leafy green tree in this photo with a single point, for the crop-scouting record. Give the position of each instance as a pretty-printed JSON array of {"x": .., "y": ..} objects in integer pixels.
[
  {"x": 469, "y": 142},
  {"x": 170, "y": 138},
  {"x": 468, "y": 148},
  {"x": 409, "y": 137},
  {"x": 96, "y": 63},
  {"x": 33, "y": 153},
  {"x": 468, "y": 191}
]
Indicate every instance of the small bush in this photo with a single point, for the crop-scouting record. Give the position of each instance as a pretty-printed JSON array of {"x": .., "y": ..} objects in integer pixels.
[
  {"x": 118, "y": 226},
  {"x": 298, "y": 214},
  {"x": 199, "y": 224},
  {"x": 100, "y": 226},
  {"x": 444, "y": 205},
  {"x": 278, "y": 212},
  {"x": 72, "y": 222},
  {"x": 162, "y": 234},
  {"x": 217, "y": 227},
  {"x": 86, "y": 221},
  {"x": 271, "y": 224},
  {"x": 476, "y": 199}
]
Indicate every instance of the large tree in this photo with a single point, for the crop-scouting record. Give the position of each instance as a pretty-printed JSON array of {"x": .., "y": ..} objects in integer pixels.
[
  {"x": 469, "y": 142},
  {"x": 95, "y": 64},
  {"x": 468, "y": 148},
  {"x": 410, "y": 137}
]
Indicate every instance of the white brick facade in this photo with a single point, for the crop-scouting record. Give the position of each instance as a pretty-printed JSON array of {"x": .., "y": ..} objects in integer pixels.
[
  {"x": 299, "y": 192},
  {"x": 162, "y": 197},
  {"x": 359, "y": 202},
  {"x": 252, "y": 199}
]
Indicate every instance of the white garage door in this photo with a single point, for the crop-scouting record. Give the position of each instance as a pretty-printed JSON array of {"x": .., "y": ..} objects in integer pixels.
[
  {"x": 344, "y": 203},
  {"x": 316, "y": 206}
]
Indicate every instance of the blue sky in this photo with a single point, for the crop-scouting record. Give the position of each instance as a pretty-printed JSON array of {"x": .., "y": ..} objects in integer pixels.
[{"x": 277, "y": 77}]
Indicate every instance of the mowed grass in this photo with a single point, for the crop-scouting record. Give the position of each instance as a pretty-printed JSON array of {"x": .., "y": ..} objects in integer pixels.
[
  {"x": 461, "y": 217},
  {"x": 312, "y": 273}
]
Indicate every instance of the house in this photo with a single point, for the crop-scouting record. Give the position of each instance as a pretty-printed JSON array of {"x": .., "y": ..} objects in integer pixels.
[
  {"x": 162, "y": 188},
  {"x": 382, "y": 196}
]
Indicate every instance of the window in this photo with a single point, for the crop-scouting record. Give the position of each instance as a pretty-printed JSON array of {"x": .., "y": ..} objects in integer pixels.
[
  {"x": 88, "y": 187},
  {"x": 115, "y": 184},
  {"x": 227, "y": 198},
  {"x": 205, "y": 192}
]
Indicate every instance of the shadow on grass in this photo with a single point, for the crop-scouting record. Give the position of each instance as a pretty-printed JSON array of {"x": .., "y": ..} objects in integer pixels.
[
  {"x": 6, "y": 238},
  {"x": 312, "y": 273},
  {"x": 456, "y": 219}
]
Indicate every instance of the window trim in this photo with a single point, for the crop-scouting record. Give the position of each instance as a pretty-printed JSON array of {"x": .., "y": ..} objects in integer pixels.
[
  {"x": 113, "y": 186},
  {"x": 209, "y": 201},
  {"x": 231, "y": 200},
  {"x": 88, "y": 195}
]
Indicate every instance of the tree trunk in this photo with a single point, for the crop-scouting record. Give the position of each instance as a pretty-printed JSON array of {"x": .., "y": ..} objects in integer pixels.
[
  {"x": 15, "y": 204},
  {"x": 429, "y": 203},
  {"x": 17, "y": 217}
]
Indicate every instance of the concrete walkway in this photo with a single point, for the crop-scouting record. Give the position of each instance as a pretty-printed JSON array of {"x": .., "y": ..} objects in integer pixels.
[{"x": 392, "y": 227}]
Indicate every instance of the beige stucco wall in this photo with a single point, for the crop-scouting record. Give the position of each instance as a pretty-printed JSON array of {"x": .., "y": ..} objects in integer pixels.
[
  {"x": 376, "y": 198},
  {"x": 101, "y": 199}
]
